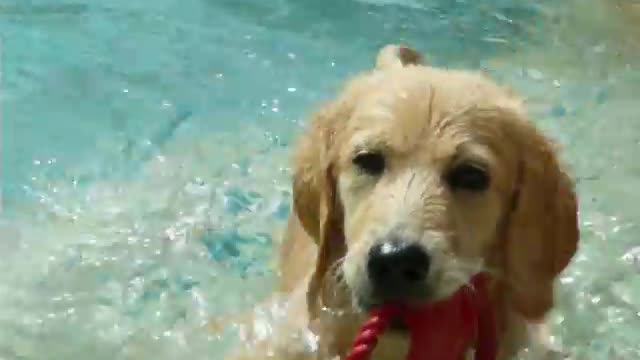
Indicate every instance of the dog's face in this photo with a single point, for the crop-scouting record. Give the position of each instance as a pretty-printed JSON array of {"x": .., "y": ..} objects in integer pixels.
[
  {"x": 429, "y": 176},
  {"x": 423, "y": 187}
]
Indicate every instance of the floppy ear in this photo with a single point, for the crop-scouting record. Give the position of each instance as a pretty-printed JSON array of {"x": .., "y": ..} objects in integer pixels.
[
  {"x": 397, "y": 56},
  {"x": 542, "y": 233},
  {"x": 315, "y": 199}
]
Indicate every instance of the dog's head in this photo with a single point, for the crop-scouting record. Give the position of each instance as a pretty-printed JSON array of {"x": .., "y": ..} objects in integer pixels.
[{"x": 416, "y": 178}]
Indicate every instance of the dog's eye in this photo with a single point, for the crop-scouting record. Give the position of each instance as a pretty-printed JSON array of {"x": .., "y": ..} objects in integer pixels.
[
  {"x": 370, "y": 162},
  {"x": 469, "y": 177}
]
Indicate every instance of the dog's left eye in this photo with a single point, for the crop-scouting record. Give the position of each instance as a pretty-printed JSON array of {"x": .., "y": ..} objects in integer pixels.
[
  {"x": 372, "y": 163},
  {"x": 469, "y": 177}
]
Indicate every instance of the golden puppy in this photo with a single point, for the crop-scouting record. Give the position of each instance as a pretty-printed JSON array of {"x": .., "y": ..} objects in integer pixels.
[{"x": 406, "y": 185}]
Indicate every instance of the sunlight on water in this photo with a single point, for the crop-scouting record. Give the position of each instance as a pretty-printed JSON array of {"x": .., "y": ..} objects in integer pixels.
[
  {"x": 122, "y": 268},
  {"x": 146, "y": 156}
]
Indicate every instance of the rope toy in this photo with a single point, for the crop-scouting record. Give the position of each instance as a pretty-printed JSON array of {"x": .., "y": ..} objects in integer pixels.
[{"x": 439, "y": 331}]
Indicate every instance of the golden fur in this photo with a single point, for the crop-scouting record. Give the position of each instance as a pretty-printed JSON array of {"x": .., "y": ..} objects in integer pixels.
[{"x": 523, "y": 229}]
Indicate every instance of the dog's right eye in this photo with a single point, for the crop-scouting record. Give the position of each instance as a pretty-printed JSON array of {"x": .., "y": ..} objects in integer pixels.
[
  {"x": 469, "y": 177},
  {"x": 372, "y": 163}
]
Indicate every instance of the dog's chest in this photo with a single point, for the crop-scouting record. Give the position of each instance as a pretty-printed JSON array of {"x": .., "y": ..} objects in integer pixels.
[
  {"x": 395, "y": 346},
  {"x": 392, "y": 346}
]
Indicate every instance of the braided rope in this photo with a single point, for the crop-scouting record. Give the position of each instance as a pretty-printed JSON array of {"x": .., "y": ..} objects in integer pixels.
[{"x": 367, "y": 339}]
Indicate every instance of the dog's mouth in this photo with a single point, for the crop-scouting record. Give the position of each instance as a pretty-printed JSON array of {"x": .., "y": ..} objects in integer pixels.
[
  {"x": 398, "y": 325},
  {"x": 366, "y": 304},
  {"x": 395, "y": 325}
]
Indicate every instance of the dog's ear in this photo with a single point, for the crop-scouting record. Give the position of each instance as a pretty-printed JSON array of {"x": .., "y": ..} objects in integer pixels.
[
  {"x": 397, "y": 56},
  {"x": 542, "y": 231},
  {"x": 316, "y": 200}
]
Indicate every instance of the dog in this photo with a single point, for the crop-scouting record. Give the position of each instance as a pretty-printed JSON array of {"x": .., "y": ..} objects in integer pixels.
[{"x": 409, "y": 182}]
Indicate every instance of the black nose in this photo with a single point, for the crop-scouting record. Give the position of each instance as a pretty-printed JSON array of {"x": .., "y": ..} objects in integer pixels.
[{"x": 397, "y": 268}]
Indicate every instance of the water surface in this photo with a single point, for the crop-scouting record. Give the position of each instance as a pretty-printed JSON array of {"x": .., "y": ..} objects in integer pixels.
[{"x": 146, "y": 146}]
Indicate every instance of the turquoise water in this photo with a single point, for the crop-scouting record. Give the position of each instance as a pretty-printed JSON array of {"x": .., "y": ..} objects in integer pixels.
[{"x": 146, "y": 144}]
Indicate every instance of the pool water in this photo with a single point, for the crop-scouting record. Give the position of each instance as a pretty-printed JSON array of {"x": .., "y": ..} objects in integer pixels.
[{"x": 145, "y": 150}]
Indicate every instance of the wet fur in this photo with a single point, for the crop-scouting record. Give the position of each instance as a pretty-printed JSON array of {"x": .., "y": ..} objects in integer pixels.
[{"x": 523, "y": 229}]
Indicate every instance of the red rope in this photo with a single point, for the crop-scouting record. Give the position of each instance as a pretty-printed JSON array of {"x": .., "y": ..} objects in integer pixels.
[
  {"x": 439, "y": 331},
  {"x": 367, "y": 339}
]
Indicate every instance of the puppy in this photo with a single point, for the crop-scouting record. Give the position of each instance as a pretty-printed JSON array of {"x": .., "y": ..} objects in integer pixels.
[{"x": 406, "y": 185}]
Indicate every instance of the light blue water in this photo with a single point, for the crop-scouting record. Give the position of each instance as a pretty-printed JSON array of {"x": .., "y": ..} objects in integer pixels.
[{"x": 146, "y": 145}]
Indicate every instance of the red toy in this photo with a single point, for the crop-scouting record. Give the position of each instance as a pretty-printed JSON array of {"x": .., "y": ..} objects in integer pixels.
[{"x": 439, "y": 331}]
